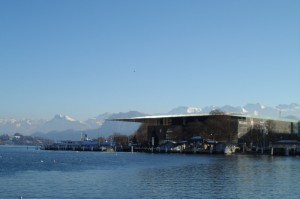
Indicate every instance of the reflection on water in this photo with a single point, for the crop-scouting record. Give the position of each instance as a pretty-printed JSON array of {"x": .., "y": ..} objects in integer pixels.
[{"x": 57, "y": 174}]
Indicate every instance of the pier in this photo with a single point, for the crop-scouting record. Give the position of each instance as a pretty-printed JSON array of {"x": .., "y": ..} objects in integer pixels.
[{"x": 280, "y": 148}]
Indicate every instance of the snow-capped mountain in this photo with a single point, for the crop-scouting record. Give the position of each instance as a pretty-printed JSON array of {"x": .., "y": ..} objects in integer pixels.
[
  {"x": 105, "y": 128},
  {"x": 96, "y": 122},
  {"x": 291, "y": 107},
  {"x": 93, "y": 123},
  {"x": 58, "y": 123},
  {"x": 26, "y": 126},
  {"x": 259, "y": 109},
  {"x": 126, "y": 128},
  {"x": 100, "y": 125},
  {"x": 289, "y": 111},
  {"x": 62, "y": 123},
  {"x": 185, "y": 110}
]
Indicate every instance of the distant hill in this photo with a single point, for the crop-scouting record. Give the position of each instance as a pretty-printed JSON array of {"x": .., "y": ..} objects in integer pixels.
[{"x": 106, "y": 128}]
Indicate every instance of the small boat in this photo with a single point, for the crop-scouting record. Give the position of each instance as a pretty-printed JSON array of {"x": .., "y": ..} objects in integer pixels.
[{"x": 229, "y": 149}]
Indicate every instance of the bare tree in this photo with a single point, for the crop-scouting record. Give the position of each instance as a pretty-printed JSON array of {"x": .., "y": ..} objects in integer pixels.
[
  {"x": 216, "y": 112},
  {"x": 120, "y": 139},
  {"x": 141, "y": 135},
  {"x": 220, "y": 126},
  {"x": 271, "y": 126}
]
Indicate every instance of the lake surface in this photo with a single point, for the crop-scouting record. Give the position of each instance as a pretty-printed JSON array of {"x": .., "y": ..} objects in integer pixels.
[{"x": 32, "y": 174}]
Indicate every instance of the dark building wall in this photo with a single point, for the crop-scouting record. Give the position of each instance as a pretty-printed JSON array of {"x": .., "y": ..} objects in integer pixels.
[
  {"x": 260, "y": 130},
  {"x": 224, "y": 128}
]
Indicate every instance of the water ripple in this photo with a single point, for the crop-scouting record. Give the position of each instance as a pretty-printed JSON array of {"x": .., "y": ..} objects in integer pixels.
[{"x": 52, "y": 174}]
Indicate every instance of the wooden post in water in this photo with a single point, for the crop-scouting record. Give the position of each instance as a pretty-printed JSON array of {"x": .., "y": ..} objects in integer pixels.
[
  {"x": 286, "y": 151},
  {"x": 152, "y": 144},
  {"x": 272, "y": 151},
  {"x": 131, "y": 149}
]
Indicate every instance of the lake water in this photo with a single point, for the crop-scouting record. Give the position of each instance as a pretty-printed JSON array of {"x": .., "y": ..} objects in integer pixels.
[{"x": 40, "y": 174}]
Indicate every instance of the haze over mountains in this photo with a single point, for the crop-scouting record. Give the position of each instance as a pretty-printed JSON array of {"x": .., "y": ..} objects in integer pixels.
[
  {"x": 63, "y": 127},
  {"x": 291, "y": 111}
]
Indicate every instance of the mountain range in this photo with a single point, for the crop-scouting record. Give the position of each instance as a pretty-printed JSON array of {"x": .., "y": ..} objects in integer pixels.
[
  {"x": 63, "y": 127},
  {"x": 291, "y": 111}
]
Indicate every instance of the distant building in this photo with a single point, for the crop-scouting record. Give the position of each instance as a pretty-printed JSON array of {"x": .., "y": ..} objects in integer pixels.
[{"x": 228, "y": 128}]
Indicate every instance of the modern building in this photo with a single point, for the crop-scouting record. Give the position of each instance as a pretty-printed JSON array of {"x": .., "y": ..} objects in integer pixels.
[{"x": 227, "y": 128}]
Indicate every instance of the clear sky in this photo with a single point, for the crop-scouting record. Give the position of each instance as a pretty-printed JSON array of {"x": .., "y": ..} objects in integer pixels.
[{"x": 84, "y": 58}]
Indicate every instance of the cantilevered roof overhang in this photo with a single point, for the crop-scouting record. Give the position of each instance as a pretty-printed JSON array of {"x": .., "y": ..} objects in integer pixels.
[
  {"x": 146, "y": 119},
  {"x": 153, "y": 118}
]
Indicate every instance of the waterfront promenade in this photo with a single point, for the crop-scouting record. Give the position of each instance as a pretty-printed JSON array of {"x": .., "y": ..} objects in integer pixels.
[{"x": 280, "y": 148}]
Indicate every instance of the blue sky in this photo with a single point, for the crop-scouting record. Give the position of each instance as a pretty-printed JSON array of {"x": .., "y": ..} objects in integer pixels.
[{"x": 84, "y": 58}]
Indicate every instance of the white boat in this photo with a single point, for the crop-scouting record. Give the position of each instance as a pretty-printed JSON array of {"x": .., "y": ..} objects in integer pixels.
[{"x": 229, "y": 149}]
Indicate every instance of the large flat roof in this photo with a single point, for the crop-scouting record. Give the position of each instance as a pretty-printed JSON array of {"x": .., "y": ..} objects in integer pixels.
[{"x": 156, "y": 117}]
